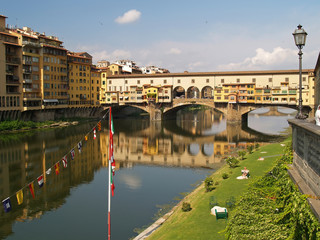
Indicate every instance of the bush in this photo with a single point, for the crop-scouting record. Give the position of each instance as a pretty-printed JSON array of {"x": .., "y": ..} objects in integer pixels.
[
  {"x": 257, "y": 146},
  {"x": 186, "y": 207},
  {"x": 208, "y": 183},
  {"x": 250, "y": 148},
  {"x": 241, "y": 154},
  {"x": 225, "y": 175},
  {"x": 232, "y": 162}
]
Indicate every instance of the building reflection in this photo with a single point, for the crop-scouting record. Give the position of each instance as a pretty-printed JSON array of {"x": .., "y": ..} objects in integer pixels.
[{"x": 23, "y": 160}]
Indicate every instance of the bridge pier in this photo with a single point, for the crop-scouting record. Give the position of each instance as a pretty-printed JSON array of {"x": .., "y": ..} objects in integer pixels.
[
  {"x": 155, "y": 113},
  {"x": 233, "y": 113}
]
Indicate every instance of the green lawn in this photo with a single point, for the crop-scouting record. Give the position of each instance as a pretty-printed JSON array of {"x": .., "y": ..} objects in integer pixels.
[{"x": 199, "y": 223}]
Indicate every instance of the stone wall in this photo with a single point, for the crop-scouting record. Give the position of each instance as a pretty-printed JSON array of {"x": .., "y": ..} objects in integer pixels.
[
  {"x": 52, "y": 114},
  {"x": 306, "y": 148}
]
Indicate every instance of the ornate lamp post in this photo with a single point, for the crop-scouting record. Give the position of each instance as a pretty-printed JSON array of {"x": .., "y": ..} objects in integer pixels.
[{"x": 300, "y": 40}]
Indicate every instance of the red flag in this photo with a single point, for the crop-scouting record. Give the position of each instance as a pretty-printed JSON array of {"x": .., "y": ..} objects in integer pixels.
[
  {"x": 57, "y": 168},
  {"x": 94, "y": 133},
  {"x": 31, "y": 187}
]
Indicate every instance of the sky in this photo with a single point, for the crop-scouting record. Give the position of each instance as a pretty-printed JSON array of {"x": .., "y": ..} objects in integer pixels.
[{"x": 179, "y": 35}]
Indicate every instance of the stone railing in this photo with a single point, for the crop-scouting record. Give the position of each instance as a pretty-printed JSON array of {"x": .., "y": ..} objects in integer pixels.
[{"x": 306, "y": 160}]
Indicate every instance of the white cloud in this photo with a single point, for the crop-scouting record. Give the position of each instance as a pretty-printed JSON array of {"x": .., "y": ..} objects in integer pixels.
[
  {"x": 113, "y": 56},
  {"x": 175, "y": 51},
  {"x": 132, "y": 182},
  {"x": 128, "y": 17},
  {"x": 263, "y": 59}
]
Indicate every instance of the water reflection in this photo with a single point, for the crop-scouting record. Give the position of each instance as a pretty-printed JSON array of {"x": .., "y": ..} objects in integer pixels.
[{"x": 196, "y": 139}]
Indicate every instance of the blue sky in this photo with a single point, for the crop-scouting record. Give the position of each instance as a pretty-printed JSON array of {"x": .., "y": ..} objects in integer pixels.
[{"x": 180, "y": 35}]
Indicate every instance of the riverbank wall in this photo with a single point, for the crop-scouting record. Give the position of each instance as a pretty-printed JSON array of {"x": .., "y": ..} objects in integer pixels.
[{"x": 51, "y": 114}]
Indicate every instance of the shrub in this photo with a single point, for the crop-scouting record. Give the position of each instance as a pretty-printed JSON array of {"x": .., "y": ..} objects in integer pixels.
[
  {"x": 232, "y": 162},
  {"x": 241, "y": 154},
  {"x": 250, "y": 148},
  {"x": 208, "y": 183},
  {"x": 225, "y": 175},
  {"x": 257, "y": 146},
  {"x": 186, "y": 207}
]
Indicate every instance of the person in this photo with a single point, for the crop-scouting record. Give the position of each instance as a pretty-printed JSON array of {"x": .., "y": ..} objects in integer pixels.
[
  {"x": 317, "y": 116},
  {"x": 245, "y": 172}
]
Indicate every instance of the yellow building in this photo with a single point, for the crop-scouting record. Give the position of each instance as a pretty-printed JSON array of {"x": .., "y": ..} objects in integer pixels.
[
  {"x": 95, "y": 86},
  {"x": 79, "y": 71},
  {"x": 10, "y": 69},
  {"x": 54, "y": 73}
]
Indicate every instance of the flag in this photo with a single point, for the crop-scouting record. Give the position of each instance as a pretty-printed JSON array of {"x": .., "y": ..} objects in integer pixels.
[
  {"x": 99, "y": 126},
  {"x": 57, "y": 168},
  {"x": 94, "y": 133},
  {"x": 65, "y": 161},
  {"x": 40, "y": 180},
  {"x": 20, "y": 197},
  {"x": 72, "y": 153},
  {"x": 111, "y": 157},
  {"x": 112, "y": 183},
  {"x": 6, "y": 205},
  {"x": 31, "y": 187},
  {"x": 80, "y": 146},
  {"x": 48, "y": 171},
  {"x": 86, "y": 138}
]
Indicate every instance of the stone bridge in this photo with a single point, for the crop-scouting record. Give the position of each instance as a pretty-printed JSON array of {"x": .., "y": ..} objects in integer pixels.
[{"x": 234, "y": 112}]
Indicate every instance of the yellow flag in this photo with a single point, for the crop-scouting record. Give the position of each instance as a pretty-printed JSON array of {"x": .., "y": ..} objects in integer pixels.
[{"x": 20, "y": 197}]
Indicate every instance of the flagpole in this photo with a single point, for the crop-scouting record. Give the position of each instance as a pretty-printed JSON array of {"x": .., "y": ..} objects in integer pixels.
[{"x": 109, "y": 185}]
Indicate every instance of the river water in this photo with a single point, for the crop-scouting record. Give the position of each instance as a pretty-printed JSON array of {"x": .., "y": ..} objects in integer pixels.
[{"x": 156, "y": 164}]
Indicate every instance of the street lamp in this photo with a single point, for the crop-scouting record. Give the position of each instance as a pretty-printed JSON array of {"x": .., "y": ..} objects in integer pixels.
[{"x": 300, "y": 40}]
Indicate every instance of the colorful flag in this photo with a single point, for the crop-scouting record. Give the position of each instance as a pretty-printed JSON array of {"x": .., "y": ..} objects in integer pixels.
[
  {"x": 80, "y": 146},
  {"x": 72, "y": 152},
  {"x": 57, "y": 168},
  {"x": 20, "y": 197},
  {"x": 6, "y": 205},
  {"x": 94, "y": 133},
  {"x": 31, "y": 187},
  {"x": 48, "y": 171},
  {"x": 40, "y": 180},
  {"x": 86, "y": 138},
  {"x": 111, "y": 157},
  {"x": 65, "y": 161},
  {"x": 99, "y": 126},
  {"x": 112, "y": 182}
]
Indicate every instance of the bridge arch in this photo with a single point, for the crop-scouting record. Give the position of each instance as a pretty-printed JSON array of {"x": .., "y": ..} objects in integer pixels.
[
  {"x": 207, "y": 92},
  {"x": 178, "y": 92},
  {"x": 193, "y": 92},
  {"x": 193, "y": 149},
  {"x": 207, "y": 149}
]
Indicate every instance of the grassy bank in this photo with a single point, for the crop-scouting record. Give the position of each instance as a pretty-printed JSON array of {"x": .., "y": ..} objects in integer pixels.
[{"x": 199, "y": 223}]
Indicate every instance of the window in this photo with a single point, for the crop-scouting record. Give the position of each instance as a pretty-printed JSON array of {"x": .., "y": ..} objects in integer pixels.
[
  {"x": 35, "y": 68},
  {"x": 151, "y": 81},
  {"x": 253, "y": 80},
  {"x": 304, "y": 79},
  {"x": 222, "y": 80},
  {"x": 287, "y": 79},
  {"x": 238, "y": 80},
  {"x": 193, "y": 81},
  {"x": 270, "y": 79},
  {"x": 46, "y": 68},
  {"x": 35, "y": 59},
  {"x": 138, "y": 81},
  {"x": 110, "y": 82},
  {"x": 179, "y": 81},
  {"x": 207, "y": 80},
  {"x": 164, "y": 81},
  {"x": 126, "y": 81}
]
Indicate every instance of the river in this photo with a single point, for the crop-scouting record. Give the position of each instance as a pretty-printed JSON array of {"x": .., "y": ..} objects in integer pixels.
[{"x": 156, "y": 165}]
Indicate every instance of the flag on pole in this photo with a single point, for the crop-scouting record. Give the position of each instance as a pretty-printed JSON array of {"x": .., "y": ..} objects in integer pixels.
[
  {"x": 6, "y": 205},
  {"x": 94, "y": 133},
  {"x": 19, "y": 197},
  {"x": 80, "y": 146},
  {"x": 86, "y": 137},
  {"x": 65, "y": 161},
  {"x": 72, "y": 153},
  {"x": 40, "y": 180},
  {"x": 31, "y": 187},
  {"x": 48, "y": 171},
  {"x": 99, "y": 126},
  {"x": 57, "y": 168},
  {"x": 111, "y": 156}
]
